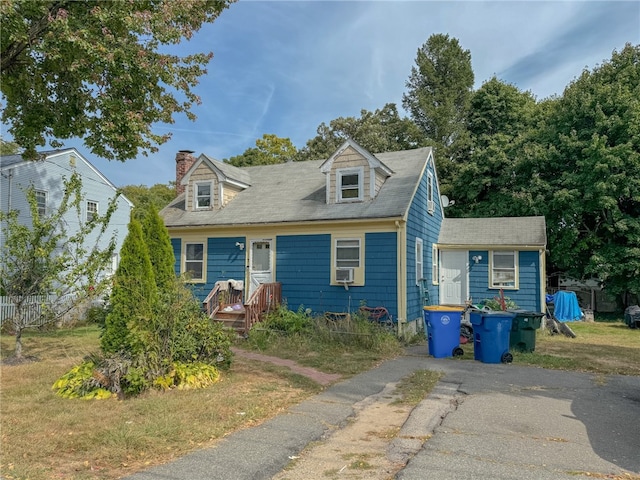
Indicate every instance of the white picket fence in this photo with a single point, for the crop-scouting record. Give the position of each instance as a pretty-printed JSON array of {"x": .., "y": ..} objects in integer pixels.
[{"x": 34, "y": 308}]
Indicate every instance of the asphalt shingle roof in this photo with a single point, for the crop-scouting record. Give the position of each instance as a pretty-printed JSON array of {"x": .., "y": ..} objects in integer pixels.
[
  {"x": 295, "y": 192},
  {"x": 525, "y": 231}
]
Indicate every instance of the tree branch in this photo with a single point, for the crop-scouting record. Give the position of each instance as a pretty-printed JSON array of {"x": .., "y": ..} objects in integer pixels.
[{"x": 10, "y": 55}]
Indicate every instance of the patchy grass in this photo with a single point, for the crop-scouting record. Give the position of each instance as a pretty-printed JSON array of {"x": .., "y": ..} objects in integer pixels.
[
  {"x": 45, "y": 436},
  {"x": 415, "y": 387},
  {"x": 347, "y": 347},
  {"x": 604, "y": 348},
  {"x": 607, "y": 348}
]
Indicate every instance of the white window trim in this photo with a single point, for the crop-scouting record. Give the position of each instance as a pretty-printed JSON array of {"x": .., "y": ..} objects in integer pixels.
[
  {"x": 195, "y": 195},
  {"x": 430, "y": 203},
  {"x": 87, "y": 213},
  {"x": 204, "y": 261},
  {"x": 492, "y": 283},
  {"x": 349, "y": 171},
  {"x": 358, "y": 271},
  {"x": 46, "y": 201},
  {"x": 419, "y": 260},
  {"x": 435, "y": 266}
]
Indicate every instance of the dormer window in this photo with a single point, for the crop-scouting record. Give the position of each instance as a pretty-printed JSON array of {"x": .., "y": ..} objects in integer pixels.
[
  {"x": 350, "y": 184},
  {"x": 203, "y": 195}
]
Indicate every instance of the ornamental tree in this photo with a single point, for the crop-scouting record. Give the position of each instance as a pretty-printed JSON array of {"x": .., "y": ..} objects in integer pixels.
[{"x": 45, "y": 258}]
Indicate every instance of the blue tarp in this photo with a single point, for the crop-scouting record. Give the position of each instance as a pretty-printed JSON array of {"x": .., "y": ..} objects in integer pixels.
[{"x": 566, "y": 308}]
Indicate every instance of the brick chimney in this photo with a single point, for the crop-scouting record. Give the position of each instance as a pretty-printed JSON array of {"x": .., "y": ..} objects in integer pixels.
[{"x": 184, "y": 160}]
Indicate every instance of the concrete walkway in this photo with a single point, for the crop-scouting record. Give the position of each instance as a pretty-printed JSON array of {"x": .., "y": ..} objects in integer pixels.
[{"x": 487, "y": 422}]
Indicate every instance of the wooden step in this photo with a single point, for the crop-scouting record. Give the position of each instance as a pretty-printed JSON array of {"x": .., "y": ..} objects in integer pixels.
[{"x": 231, "y": 318}]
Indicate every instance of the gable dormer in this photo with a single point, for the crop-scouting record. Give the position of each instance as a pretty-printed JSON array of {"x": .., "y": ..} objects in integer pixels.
[
  {"x": 209, "y": 184},
  {"x": 353, "y": 174}
]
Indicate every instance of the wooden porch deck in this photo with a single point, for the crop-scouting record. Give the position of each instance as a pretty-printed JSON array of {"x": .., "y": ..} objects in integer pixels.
[{"x": 226, "y": 306}]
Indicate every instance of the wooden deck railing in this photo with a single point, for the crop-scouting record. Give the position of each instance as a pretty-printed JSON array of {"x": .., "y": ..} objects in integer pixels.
[
  {"x": 266, "y": 297},
  {"x": 219, "y": 295}
]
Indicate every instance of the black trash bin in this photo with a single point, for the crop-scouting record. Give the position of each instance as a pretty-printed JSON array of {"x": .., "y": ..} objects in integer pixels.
[{"x": 523, "y": 330}]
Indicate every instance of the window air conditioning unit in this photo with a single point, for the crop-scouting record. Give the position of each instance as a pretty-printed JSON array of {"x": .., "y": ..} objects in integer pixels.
[
  {"x": 344, "y": 275},
  {"x": 431, "y": 206}
]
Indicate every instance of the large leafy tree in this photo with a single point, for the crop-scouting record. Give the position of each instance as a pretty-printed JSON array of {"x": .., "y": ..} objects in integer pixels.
[
  {"x": 380, "y": 131},
  {"x": 98, "y": 70},
  {"x": 44, "y": 258},
  {"x": 437, "y": 98},
  {"x": 592, "y": 169},
  {"x": 269, "y": 150},
  {"x": 8, "y": 148},
  {"x": 145, "y": 198},
  {"x": 491, "y": 182}
]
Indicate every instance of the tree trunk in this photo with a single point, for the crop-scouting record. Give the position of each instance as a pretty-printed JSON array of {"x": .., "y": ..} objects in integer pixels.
[{"x": 18, "y": 352}]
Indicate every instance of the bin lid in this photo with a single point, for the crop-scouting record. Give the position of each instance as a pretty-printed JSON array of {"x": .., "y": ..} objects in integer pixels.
[
  {"x": 487, "y": 313},
  {"x": 526, "y": 313},
  {"x": 444, "y": 308}
]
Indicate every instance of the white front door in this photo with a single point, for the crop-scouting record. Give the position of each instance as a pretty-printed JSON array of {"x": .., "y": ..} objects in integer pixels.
[
  {"x": 260, "y": 263},
  {"x": 453, "y": 277}
]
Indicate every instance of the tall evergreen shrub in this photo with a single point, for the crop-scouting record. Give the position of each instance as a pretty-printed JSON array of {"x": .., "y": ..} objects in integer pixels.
[
  {"x": 133, "y": 298},
  {"x": 161, "y": 254}
]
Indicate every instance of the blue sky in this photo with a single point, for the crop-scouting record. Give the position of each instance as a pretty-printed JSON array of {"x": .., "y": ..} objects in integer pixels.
[{"x": 285, "y": 67}]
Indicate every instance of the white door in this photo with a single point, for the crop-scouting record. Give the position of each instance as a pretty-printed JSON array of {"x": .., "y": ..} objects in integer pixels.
[
  {"x": 260, "y": 264},
  {"x": 453, "y": 277}
]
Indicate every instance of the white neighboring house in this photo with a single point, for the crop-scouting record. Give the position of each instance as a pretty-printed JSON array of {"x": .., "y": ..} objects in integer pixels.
[{"x": 46, "y": 176}]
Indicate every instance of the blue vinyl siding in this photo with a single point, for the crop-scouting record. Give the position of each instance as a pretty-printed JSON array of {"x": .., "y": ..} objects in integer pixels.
[
  {"x": 527, "y": 296},
  {"x": 176, "y": 243},
  {"x": 48, "y": 176},
  {"x": 225, "y": 261},
  {"x": 422, "y": 225},
  {"x": 303, "y": 266}
]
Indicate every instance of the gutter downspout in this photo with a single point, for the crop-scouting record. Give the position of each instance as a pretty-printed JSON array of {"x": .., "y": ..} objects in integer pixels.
[
  {"x": 543, "y": 281},
  {"x": 402, "y": 291},
  {"x": 9, "y": 176}
]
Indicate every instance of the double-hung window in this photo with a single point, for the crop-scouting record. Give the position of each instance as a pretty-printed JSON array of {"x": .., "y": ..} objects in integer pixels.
[
  {"x": 431, "y": 205},
  {"x": 203, "y": 195},
  {"x": 92, "y": 210},
  {"x": 347, "y": 258},
  {"x": 349, "y": 184},
  {"x": 41, "y": 201},
  {"x": 194, "y": 261},
  {"x": 504, "y": 269},
  {"x": 348, "y": 253}
]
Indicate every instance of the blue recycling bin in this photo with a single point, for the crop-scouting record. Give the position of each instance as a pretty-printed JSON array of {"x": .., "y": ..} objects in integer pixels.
[
  {"x": 442, "y": 327},
  {"x": 491, "y": 331}
]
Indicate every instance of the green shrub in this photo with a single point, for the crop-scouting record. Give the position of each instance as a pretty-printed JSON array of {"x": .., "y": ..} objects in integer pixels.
[
  {"x": 494, "y": 303},
  {"x": 80, "y": 382},
  {"x": 195, "y": 375},
  {"x": 300, "y": 331},
  {"x": 286, "y": 321},
  {"x": 97, "y": 314}
]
